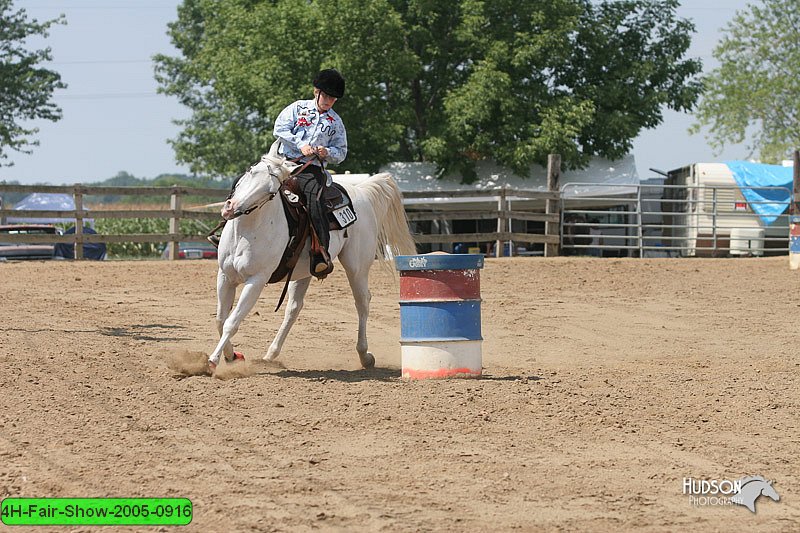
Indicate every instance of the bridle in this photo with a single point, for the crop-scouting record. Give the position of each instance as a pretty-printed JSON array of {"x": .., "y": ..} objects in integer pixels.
[
  {"x": 249, "y": 210},
  {"x": 270, "y": 196}
]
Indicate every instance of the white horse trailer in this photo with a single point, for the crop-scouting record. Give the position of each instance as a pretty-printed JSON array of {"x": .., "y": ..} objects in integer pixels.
[{"x": 706, "y": 214}]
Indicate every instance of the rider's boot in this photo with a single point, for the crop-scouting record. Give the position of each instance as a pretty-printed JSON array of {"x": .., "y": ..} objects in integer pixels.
[{"x": 322, "y": 264}]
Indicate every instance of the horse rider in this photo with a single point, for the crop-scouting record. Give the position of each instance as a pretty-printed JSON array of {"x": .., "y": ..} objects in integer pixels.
[{"x": 312, "y": 129}]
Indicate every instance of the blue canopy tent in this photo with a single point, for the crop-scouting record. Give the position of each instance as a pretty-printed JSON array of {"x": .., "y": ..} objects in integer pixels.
[
  {"x": 45, "y": 201},
  {"x": 767, "y": 203}
]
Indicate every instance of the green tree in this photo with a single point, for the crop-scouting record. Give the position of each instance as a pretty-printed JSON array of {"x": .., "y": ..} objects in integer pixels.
[
  {"x": 26, "y": 88},
  {"x": 449, "y": 82},
  {"x": 753, "y": 97}
]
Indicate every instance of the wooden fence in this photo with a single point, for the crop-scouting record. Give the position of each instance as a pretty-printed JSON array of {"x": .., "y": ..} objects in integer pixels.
[
  {"x": 175, "y": 213},
  {"x": 550, "y": 214},
  {"x": 502, "y": 213}
]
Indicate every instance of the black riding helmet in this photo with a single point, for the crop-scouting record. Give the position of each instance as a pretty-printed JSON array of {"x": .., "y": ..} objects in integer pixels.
[{"x": 330, "y": 82}]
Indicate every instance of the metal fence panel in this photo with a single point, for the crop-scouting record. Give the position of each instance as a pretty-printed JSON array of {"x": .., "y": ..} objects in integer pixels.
[{"x": 657, "y": 220}]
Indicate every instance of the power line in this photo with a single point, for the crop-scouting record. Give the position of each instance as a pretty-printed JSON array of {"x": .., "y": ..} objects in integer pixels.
[
  {"x": 104, "y": 96},
  {"x": 98, "y": 61},
  {"x": 62, "y": 7}
]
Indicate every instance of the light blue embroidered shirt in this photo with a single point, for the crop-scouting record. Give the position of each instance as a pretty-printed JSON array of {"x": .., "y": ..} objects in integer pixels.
[{"x": 300, "y": 123}]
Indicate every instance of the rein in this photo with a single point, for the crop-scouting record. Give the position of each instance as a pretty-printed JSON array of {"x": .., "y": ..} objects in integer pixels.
[
  {"x": 302, "y": 167},
  {"x": 298, "y": 170},
  {"x": 249, "y": 210},
  {"x": 270, "y": 196}
]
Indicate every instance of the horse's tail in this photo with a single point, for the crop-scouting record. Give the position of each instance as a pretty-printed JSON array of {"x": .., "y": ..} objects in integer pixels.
[{"x": 394, "y": 238}]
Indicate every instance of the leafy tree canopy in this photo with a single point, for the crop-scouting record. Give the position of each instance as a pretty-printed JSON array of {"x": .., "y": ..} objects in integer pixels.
[
  {"x": 753, "y": 97},
  {"x": 26, "y": 88},
  {"x": 450, "y": 82}
]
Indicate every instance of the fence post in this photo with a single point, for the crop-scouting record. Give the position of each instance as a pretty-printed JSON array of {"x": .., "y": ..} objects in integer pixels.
[
  {"x": 509, "y": 221},
  {"x": 78, "y": 197},
  {"x": 639, "y": 230},
  {"x": 501, "y": 205},
  {"x": 552, "y": 207},
  {"x": 714, "y": 222},
  {"x": 174, "y": 222}
]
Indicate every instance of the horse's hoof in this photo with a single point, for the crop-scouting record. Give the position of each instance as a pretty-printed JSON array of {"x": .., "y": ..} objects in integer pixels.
[
  {"x": 212, "y": 366},
  {"x": 237, "y": 356},
  {"x": 368, "y": 361}
]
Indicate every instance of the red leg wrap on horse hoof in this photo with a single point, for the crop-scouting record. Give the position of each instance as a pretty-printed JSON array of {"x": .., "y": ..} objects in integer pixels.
[{"x": 238, "y": 356}]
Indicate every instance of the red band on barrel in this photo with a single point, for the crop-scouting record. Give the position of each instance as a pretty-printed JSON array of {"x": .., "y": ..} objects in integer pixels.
[{"x": 440, "y": 285}]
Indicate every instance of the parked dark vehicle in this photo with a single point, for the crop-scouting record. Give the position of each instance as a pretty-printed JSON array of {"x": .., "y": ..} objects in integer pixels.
[
  {"x": 193, "y": 250},
  {"x": 18, "y": 250}
]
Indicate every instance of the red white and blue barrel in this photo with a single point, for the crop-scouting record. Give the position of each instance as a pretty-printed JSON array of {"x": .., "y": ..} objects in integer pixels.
[{"x": 440, "y": 315}]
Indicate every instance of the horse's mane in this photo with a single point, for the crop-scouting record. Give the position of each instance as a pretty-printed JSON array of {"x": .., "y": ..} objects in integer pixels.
[{"x": 749, "y": 479}]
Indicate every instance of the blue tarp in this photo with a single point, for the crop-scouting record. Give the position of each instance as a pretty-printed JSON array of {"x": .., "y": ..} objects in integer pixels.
[
  {"x": 91, "y": 250},
  {"x": 768, "y": 203}
]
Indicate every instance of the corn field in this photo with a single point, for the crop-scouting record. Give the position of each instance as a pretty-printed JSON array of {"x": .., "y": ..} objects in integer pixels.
[{"x": 124, "y": 226}]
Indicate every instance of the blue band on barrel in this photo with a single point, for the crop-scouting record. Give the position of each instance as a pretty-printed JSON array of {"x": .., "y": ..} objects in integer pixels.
[
  {"x": 440, "y": 321},
  {"x": 438, "y": 262},
  {"x": 794, "y": 235}
]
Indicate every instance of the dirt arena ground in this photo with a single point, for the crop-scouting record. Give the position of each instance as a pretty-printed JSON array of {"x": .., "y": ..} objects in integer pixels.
[{"x": 606, "y": 383}]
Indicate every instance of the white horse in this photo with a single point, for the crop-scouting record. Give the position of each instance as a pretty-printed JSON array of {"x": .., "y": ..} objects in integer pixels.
[{"x": 257, "y": 233}]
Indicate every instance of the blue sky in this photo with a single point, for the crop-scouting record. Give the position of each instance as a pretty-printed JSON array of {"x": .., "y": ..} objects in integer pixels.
[{"x": 115, "y": 121}]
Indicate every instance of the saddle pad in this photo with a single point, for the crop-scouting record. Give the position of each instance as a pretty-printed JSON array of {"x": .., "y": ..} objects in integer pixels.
[
  {"x": 336, "y": 201},
  {"x": 339, "y": 206}
]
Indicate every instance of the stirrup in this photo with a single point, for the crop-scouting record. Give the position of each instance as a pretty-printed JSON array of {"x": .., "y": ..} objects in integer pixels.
[
  {"x": 321, "y": 268},
  {"x": 212, "y": 235}
]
